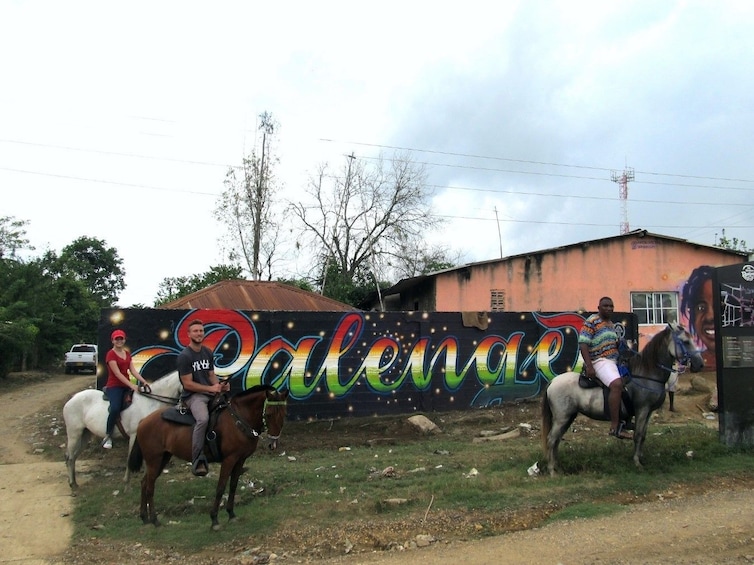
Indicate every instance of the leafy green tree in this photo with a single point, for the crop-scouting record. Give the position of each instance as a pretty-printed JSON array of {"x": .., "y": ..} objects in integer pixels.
[
  {"x": 99, "y": 267},
  {"x": 17, "y": 338},
  {"x": 733, "y": 243},
  {"x": 173, "y": 288},
  {"x": 46, "y": 303},
  {"x": 12, "y": 237},
  {"x": 303, "y": 284},
  {"x": 44, "y": 312}
]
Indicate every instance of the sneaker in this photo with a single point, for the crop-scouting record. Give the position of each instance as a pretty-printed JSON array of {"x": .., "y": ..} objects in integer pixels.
[{"x": 107, "y": 443}]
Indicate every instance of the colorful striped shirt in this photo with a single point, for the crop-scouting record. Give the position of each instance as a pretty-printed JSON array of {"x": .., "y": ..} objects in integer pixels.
[{"x": 601, "y": 338}]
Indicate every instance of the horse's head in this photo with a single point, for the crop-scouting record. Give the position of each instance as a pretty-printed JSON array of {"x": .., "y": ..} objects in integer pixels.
[
  {"x": 681, "y": 347},
  {"x": 275, "y": 410}
]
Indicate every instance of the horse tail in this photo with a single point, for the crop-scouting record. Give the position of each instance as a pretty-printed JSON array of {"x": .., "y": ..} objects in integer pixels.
[
  {"x": 135, "y": 458},
  {"x": 546, "y": 420}
]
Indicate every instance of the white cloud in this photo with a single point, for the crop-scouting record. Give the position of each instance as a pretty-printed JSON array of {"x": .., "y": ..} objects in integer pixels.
[{"x": 119, "y": 121}]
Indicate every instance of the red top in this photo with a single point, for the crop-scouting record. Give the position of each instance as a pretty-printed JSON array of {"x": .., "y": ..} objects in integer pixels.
[{"x": 123, "y": 365}]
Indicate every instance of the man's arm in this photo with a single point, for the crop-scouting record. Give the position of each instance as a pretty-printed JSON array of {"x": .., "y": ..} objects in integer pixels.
[
  {"x": 192, "y": 386},
  {"x": 584, "y": 349}
]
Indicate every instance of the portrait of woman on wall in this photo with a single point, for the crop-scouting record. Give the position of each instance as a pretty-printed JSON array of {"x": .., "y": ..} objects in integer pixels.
[{"x": 696, "y": 306}]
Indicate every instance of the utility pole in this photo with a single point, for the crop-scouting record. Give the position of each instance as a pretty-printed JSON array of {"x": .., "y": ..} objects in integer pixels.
[
  {"x": 499, "y": 236},
  {"x": 623, "y": 179}
]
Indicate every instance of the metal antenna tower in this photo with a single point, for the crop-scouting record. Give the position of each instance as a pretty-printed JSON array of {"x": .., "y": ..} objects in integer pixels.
[{"x": 623, "y": 179}]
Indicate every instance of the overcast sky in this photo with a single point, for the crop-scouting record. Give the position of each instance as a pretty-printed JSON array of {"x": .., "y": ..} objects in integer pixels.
[{"x": 119, "y": 120}]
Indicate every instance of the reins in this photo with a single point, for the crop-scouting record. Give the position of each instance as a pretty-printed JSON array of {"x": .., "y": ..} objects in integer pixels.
[
  {"x": 248, "y": 430},
  {"x": 160, "y": 398}
]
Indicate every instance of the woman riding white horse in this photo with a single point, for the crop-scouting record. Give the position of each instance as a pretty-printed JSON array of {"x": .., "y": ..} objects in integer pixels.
[{"x": 86, "y": 413}]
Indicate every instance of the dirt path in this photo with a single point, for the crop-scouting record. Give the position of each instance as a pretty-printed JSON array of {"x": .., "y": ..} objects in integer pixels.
[
  {"x": 718, "y": 527},
  {"x": 35, "y": 501}
]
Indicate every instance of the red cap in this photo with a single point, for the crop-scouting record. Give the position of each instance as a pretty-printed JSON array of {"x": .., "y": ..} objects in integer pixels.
[{"x": 117, "y": 333}]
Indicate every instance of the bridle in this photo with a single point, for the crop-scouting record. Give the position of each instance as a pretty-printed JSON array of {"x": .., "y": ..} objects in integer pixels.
[
  {"x": 248, "y": 430},
  {"x": 683, "y": 360}
]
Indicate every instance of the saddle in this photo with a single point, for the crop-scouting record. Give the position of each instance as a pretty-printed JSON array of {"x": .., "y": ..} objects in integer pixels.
[
  {"x": 626, "y": 404},
  {"x": 181, "y": 415}
]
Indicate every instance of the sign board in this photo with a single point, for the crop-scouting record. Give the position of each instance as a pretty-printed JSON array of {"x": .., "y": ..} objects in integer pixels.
[{"x": 733, "y": 289}]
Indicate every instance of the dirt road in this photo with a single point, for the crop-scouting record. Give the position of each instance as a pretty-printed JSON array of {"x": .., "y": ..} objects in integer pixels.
[
  {"x": 35, "y": 501},
  {"x": 717, "y": 527}
]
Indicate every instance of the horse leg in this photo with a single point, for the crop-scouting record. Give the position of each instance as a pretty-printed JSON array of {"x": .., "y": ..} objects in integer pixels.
[
  {"x": 154, "y": 470},
  {"x": 225, "y": 470},
  {"x": 127, "y": 475},
  {"x": 235, "y": 474},
  {"x": 73, "y": 449},
  {"x": 640, "y": 434},
  {"x": 558, "y": 430}
]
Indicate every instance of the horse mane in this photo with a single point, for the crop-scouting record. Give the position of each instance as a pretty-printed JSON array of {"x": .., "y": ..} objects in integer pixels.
[
  {"x": 165, "y": 383},
  {"x": 255, "y": 388},
  {"x": 648, "y": 359}
]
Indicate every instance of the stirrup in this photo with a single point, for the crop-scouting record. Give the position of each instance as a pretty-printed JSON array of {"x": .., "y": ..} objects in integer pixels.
[{"x": 200, "y": 461}]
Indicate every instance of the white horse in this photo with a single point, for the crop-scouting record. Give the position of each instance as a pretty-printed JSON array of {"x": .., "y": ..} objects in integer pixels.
[{"x": 86, "y": 413}]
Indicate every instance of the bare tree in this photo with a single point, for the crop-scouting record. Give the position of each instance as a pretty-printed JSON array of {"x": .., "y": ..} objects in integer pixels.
[
  {"x": 245, "y": 206},
  {"x": 421, "y": 259},
  {"x": 362, "y": 220}
]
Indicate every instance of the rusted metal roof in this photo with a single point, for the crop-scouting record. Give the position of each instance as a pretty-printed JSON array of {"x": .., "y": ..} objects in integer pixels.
[{"x": 259, "y": 296}]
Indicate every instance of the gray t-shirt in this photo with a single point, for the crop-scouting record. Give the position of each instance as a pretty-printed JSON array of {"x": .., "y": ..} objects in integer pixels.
[{"x": 198, "y": 363}]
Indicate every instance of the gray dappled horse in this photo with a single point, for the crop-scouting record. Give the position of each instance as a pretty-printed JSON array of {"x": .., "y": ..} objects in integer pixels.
[{"x": 564, "y": 398}]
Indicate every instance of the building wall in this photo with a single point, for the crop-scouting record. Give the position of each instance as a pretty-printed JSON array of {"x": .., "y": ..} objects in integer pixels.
[{"x": 574, "y": 278}]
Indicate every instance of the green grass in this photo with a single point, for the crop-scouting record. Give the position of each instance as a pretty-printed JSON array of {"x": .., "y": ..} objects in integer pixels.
[{"x": 329, "y": 488}]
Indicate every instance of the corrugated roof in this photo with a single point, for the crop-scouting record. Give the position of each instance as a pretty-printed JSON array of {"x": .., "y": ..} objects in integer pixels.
[{"x": 258, "y": 296}]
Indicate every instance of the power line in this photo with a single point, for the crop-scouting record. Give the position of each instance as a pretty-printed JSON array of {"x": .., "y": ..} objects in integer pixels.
[
  {"x": 118, "y": 154},
  {"x": 563, "y": 175},
  {"x": 579, "y": 196},
  {"x": 563, "y": 223},
  {"x": 508, "y": 159},
  {"x": 111, "y": 182}
]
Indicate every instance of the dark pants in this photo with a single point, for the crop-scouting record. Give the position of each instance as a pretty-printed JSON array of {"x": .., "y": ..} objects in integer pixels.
[{"x": 115, "y": 395}]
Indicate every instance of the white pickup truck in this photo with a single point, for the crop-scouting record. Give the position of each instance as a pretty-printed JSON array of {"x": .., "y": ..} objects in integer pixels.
[{"x": 82, "y": 356}]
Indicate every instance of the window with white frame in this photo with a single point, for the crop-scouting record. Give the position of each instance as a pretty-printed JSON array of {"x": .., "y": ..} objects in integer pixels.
[
  {"x": 655, "y": 307},
  {"x": 497, "y": 300}
]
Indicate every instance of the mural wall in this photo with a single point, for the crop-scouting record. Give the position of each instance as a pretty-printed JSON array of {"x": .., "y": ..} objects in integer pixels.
[
  {"x": 365, "y": 363},
  {"x": 697, "y": 312}
]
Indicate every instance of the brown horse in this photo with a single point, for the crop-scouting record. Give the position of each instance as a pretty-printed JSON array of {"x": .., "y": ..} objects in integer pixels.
[{"x": 238, "y": 429}]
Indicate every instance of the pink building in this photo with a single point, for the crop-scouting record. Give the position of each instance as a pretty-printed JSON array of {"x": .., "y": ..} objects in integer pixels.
[{"x": 642, "y": 272}]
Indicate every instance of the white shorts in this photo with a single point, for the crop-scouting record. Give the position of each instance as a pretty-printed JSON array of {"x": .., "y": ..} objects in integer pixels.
[{"x": 606, "y": 369}]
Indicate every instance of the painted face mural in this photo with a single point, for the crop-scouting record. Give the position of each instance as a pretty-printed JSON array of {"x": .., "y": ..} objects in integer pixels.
[{"x": 696, "y": 306}]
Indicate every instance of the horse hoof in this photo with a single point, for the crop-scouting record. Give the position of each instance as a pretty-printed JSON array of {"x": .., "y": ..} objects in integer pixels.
[{"x": 215, "y": 527}]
